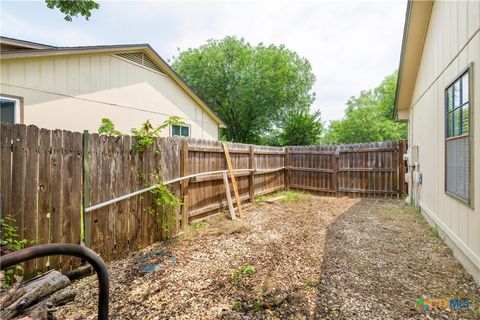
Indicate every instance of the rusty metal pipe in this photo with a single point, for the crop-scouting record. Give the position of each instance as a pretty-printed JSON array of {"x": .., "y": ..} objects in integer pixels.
[{"x": 66, "y": 249}]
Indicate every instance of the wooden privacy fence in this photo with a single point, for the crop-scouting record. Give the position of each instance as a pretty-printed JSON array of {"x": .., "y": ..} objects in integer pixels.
[
  {"x": 366, "y": 169},
  {"x": 48, "y": 176}
]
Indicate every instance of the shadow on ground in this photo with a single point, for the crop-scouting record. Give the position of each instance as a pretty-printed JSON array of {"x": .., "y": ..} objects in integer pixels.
[{"x": 380, "y": 257}]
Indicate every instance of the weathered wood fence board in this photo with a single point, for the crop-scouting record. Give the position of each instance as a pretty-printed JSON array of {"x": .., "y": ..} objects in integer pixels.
[
  {"x": 42, "y": 173},
  {"x": 41, "y": 187}
]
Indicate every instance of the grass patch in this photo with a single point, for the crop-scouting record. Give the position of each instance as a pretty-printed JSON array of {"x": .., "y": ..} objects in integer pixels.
[
  {"x": 260, "y": 199},
  {"x": 199, "y": 225},
  {"x": 290, "y": 196},
  {"x": 293, "y": 196},
  {"x": 242, "y": 272},
  {"x": 236, "y": 305},
  {"x": 216, "y": 226},
  {"x": 312, "y": 283}
]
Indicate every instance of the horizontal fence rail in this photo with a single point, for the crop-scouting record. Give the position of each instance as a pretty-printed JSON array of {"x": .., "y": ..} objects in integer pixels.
[{"x": 70, "y": 187}]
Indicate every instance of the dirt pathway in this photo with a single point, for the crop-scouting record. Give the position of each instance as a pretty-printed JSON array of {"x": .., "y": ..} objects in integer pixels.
[{"x": 272, "y": 265}]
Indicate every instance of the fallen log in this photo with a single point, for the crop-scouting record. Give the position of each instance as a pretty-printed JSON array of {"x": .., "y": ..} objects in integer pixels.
[
  {"x": 19, "y": 291},
  {"x": 7, "y": 295},
  {"x": 40, "y": 313},
  {"x": 60, "y": 299},
  {"x": 80, "y": 272},
  {"x": 43, "y": 309},
  {"x": 35, "y": 289}
]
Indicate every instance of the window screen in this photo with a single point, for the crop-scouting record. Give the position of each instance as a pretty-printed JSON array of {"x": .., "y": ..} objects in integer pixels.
[
  {"x": 457, "y": 131},
  {"x": 183, "y": 131}
]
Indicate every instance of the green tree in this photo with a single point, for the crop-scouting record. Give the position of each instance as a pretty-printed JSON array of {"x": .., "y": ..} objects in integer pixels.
[
  {"x": 369, "y": 117},
  {"x": 302, "y": 129},
  {"x": 72, "y": 8},
  {"x": 252, "y": 88}
]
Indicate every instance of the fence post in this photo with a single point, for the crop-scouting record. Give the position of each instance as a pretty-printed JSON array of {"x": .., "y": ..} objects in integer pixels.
[
  {"x": 287, "y": 169},
  {"x": 251, "y": 177},
  {"x": 335, "y": 171},
  {"x": 87, "y": 232},
  {"x": 184, "y": 183},
  {"x": 401, "y": 171}
]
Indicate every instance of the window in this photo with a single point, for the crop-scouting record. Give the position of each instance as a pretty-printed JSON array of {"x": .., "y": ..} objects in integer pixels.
[
  {"x": 10, "y": 110},
  {"x": 183, "y": 131},
  {"x": 457, "y": 132}
]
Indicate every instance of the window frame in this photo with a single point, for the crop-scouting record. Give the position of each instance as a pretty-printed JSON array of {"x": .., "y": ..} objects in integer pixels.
[
  {"x": 18, "y": 109},
  {"x": 469, "y": 135},
  {"x": 182, "y": 125}
]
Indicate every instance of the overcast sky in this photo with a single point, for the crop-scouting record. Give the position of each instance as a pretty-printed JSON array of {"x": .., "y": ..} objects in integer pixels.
[{"x": 352, "y": 45}]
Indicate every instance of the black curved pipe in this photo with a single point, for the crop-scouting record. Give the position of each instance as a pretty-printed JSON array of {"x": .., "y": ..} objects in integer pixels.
[{"x": 66, "y": 249}]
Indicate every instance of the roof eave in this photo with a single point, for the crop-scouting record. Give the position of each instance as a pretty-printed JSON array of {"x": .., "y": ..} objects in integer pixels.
[{"x": 421, "y": 10}]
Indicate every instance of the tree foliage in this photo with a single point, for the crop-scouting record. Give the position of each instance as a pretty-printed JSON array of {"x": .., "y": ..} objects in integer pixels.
[
  {"x": 369, "y": 117},
  {"x": 302, "y": 129},
  {"x": 72, "y": 8},
  {"x": 252, "y": 88}
]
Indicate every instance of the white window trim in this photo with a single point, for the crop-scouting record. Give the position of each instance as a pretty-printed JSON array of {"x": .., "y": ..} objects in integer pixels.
[
  {"x": 16, "y": 110},
  {"x": 182, "y": 125}
]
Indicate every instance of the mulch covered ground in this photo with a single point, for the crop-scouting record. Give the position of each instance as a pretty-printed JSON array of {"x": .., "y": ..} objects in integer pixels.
[{"x": 307, "y": 258}]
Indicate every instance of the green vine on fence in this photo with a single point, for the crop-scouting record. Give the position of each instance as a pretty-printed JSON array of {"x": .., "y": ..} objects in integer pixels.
[
  {"x": 145, "y": 136},
  {"x": 10, "y": 241},
  {"x": 164, "y": 202},
  {"x": 108, "y": 128}
]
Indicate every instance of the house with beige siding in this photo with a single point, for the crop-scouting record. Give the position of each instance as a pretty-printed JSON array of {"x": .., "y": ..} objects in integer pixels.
[
  {"x": 73, "y": 88},
  {"x": 438, "y": 93}
]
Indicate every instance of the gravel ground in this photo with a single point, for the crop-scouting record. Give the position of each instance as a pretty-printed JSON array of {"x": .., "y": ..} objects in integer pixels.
[
  {"x": 307, "y": 258},
  {"x": 380, "y": 258}
]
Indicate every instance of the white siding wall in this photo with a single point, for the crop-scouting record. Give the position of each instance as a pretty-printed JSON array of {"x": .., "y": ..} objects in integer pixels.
[
  {"x": 76, "y": 92},
  {"x": 452, "y": 43}
]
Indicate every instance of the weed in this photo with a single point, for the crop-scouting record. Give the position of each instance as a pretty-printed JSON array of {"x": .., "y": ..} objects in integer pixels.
[
  {"x": 290, "y": 196},
  {"x": 108, "y": 128},
  {"x": 449, "y": 250},
  {"x": 147, "y": 133},
  {"x": 311, "y": 283},
  {"x": 199, "y": 225},
  {"x": 242, "y": 272},
  {"x": 260, "y": 199},
  {"x": 293, "y": 196},
  {"x": 236, "y": 305},
  {"x": 258, "y": 306},
  {"x": 434, "y": 232},
  {"x": 10, "y": 241}
]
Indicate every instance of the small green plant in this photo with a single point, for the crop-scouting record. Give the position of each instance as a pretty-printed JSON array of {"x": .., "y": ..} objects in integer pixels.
[
  {"x": 147, "y": 133},
  {"x": 108, "y": 128},
  {"x": 258, "y": 305},
  {"x": 449, "y": 250},
  {"x": 10, "y": 241},
  {"x": 434, "y": 232},
  {"x": 260, "y": 199},
  {"x": 166, "y": 202},
  {"x": 242, "y": 272},
  {"x": 311, "y": 283},
  {"x": 236, "y": 305},
  {"x": 199, "y": 225}
]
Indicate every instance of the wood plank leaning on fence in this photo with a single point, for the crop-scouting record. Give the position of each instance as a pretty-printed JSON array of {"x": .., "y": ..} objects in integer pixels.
[{"x": 234, "y": 181}]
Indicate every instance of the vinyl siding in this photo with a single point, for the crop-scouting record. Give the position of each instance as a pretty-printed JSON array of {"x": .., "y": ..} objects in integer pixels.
[
  {"x": 445, "y": 54},
  {"x": 76, "y": 92}
]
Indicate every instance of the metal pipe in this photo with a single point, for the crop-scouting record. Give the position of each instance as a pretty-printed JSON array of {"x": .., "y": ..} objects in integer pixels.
[
  {"x": 135, "y": 193},
  {"x": 56, "y": 249},
  {"x": 132, "y": 194}
]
